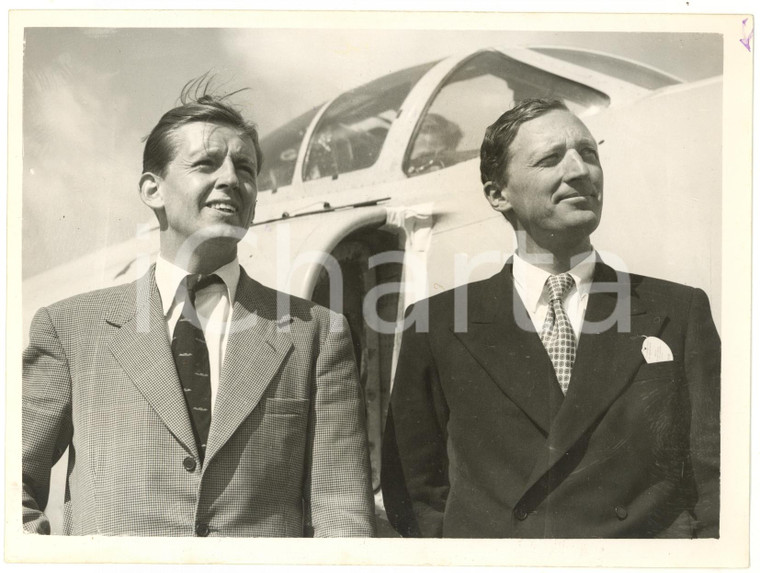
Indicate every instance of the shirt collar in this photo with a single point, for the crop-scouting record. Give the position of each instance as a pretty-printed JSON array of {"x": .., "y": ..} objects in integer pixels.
[
  {"x": 583, "y": 273},
  {"x": 531, "y": 279},
  {"x": 169, "y": 275}
]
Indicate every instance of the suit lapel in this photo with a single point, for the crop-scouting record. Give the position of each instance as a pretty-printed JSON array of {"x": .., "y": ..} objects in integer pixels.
[
  {"x": 502, "y": 338},
  {"x": 607, "y": 358},
  {"x": 141, "y": 347},
  {"x": 256, "y": 347}
]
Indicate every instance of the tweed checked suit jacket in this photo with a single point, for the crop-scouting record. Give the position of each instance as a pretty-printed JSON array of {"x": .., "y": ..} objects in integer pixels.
[
  {"x": 287, "y": 445},
  {"x": 481, "y": 442}
]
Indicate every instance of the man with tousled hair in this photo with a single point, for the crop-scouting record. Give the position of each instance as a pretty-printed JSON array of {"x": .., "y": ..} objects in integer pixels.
[{"x": 195, "y": 401}]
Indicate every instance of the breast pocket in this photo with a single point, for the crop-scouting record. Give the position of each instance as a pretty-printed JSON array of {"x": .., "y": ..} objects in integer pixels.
[
  {"x": 656, "y": 370},
  {"x": 270, "y": 449},
  {"x": 285, "y": 407}
]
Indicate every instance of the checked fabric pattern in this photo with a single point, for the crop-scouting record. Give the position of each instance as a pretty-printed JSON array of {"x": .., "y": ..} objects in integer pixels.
[
  {"x": 289, "y": 444},
  {"x": 191, "y": 358},
  {"x": 557, "y": 333}
]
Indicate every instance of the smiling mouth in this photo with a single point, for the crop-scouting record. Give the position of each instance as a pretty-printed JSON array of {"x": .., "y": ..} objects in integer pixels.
[
  {"x": 576, "y": 195},
  {"x": 223, "y": 207}
]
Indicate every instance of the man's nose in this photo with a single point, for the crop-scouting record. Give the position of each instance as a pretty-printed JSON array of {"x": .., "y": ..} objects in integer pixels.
[
  {"x": 227, "y": 174},
  {"x": 574, "y": 165}
]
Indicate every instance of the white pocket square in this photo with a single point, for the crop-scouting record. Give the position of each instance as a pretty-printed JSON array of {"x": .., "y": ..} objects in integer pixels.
[{"x": 656, "y": 350}]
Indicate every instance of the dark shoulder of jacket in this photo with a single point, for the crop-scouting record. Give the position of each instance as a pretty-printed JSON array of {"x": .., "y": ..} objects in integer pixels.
[
  {"x": 443, "y": 301},
  {"x": 662, "y": 293}
]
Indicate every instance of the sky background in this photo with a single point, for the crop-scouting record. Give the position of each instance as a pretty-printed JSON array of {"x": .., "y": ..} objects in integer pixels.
[{"x": 90, "y": 95}]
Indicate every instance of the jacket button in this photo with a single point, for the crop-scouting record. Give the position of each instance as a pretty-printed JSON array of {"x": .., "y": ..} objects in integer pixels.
[
  {"x": 189, "y": 464},
  {"x": 201, "y": 529},
  {"x": 521, "y": 514},
  {"x": 621, "y": 512}
]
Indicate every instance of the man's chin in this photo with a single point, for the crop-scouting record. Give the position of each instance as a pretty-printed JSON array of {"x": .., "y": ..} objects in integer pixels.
[
  {"x": 224, "y": 233},
  {"x": 210, "y": 238},
  {"x": 582, "y": 221},
  {"x": 572, "y": 233}
]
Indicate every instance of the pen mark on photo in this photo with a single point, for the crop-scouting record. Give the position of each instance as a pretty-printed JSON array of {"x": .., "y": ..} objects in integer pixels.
[{"x": 746, "y": 38}]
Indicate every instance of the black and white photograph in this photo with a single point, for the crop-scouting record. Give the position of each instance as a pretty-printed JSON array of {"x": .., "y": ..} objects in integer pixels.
[{"x": 381, "y": 278}]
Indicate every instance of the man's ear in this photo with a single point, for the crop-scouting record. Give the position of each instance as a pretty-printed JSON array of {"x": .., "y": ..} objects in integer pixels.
[
  {"x": 497, "y": 197},
  {"x": 150, "y": 193}
]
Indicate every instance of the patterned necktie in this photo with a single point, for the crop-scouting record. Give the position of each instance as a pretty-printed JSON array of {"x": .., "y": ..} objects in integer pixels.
[
  {"x": 191, "y": 358},
  {"x": 557, "y": 333}
]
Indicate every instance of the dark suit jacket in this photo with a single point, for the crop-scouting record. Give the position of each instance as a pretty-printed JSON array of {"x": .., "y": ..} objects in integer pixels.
[
  {"x": 481, "y": 442},
  {"x": 287, "y": 445}
]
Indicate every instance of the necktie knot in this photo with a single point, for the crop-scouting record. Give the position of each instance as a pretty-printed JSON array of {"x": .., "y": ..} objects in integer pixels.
[
  {"x": 195, "y": 282},
  {"x": 559, "y": 286}
]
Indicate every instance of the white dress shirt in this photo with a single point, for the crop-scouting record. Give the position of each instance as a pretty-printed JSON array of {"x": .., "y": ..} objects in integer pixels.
[
  {"x": 530, "y": 283},
  {"x": 213, "y": 305}
]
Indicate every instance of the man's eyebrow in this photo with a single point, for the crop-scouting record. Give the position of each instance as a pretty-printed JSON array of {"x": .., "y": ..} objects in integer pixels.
[
  {"x": 547, "y": 147},
  {"x": 590, "y": 140},
  {"x": 244, "y": 158},
  {"x": 203, "y": 151},
  {"x": 559, "y": 145}
]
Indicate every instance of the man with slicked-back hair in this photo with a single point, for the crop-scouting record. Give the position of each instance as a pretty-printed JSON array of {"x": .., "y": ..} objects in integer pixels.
[{"x": 561, "y": 397}]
